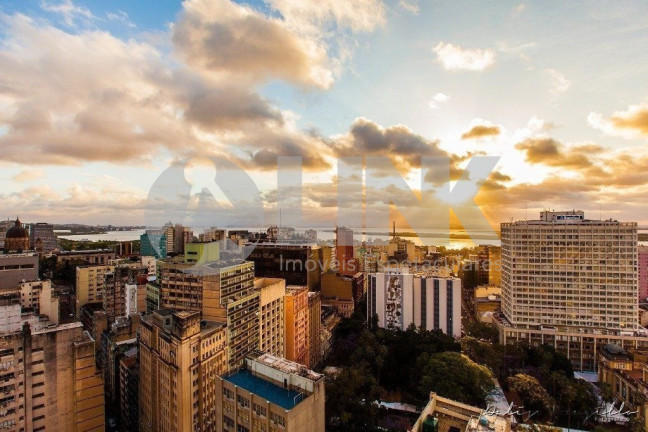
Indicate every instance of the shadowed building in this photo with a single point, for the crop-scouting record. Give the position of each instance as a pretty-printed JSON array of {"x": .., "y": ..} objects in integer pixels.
[{"x": 17, "y": 238}]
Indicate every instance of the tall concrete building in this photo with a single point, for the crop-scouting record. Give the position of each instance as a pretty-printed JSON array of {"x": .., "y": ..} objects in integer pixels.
[
  {"x": 399, "y": 298},
  {"x": 129, "y": 390},
  {"x": 49, "y": 381},
  {"x": 271, "y": 315},
  {"x": 643, "y": 273},
  {"x": 298, "y": 264},
  {"x": 181, "y": 236},
  {"x": 223, "y": 294},
  {"x": 44, "y": 232},
  {"x": 347, "y": 264},
  {"x": 571, "y": 283},
  {"x": 180, "y": 360},
  {"x": 296, "y": 322},
  {"x": 89, "y": 284},
  {"x": 124, "y": 291},
  {"x": 270, "y": 394},
  {"x": 565, "y": 270},
  {"x": 201, "y": 253},
  {"x": 314, "y": 329},
  {"x": 495, "y": 265},
  {"x": 153, "y": 243}
]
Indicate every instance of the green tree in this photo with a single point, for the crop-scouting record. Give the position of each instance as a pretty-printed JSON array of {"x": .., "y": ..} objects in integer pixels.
[
  {"x": 483, "y": 331},
  {"x": 533, "y": 395},
  {"x": 349, "y": 400},
  {"x": 455, "y": 376}
]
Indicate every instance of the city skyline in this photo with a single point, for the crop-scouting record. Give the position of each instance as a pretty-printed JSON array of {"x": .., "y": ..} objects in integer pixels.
[{"x": 97, "y": 100}]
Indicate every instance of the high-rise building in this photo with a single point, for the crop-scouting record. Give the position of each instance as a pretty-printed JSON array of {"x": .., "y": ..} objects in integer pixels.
[
  {"x": 181, "y": 236},
  {"x": 297, "y": 264},
  {"x": 271, "y": 315},
  {"x": 153, "y": 243},
  {"x": 399, "y": 298},
  {"x": 270, "y": 394},
  {"x": 89, "y": 284},
  {"x": 495, "y": 265},
  {"x": 212, "y": 234},
  {"x": 44, "y": 232},
  {"x": 571, "y": 283},
  {"x": 37, "y": 296},
  {"x": 296, "y": 322},
  {"x": 643, "y": 273},
  {"x": 129, "y": 391},
  {"x": 181, "y": 357},
  {"x": 565, "y": 270},
  {"x": 48, "y": 375},
  {"x": 347, "y": 264},
  {"x": 89, "y": 257},
  {"x": 14, "y": 268},
  {"x": 314, "y": 329},
  {"x": 223, "y": 294},
  {"x": 124, "y": 291}
]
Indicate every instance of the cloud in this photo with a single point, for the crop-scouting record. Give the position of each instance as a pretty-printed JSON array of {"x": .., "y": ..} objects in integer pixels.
[
  {"x": 225, "y": 38},
  {"x": 453, "y": 57},
  {"x": 481, "y": 129},
  {"x": 82, "y": 113},
  {"x": 631, "y": 123},
  {"x": 550, "y": 152},
  {"x": 367, "y": 138},
  {"x": 410, "y": 6},
  {"x": 559, "y": 83},
  {"x": 437, "y": 99},
  {"x": 70, "y": 12},
  {"x": 359, "y": 15},
  {"x": 28, "y": 174},
  {"x": 517, "y": 10},
  {"x": 122, "y": 17}
]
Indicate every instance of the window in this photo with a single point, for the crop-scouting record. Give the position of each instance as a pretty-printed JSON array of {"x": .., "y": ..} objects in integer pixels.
[
  {"x": 245, "y": 403},
  {"x": 259, "y": 410},
  {"x": 277, "y": 419},
  {"x": 229, "y": 394}
]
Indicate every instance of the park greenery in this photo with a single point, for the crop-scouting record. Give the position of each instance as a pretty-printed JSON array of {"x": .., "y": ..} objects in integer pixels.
[{"x": 405, "y": 366}]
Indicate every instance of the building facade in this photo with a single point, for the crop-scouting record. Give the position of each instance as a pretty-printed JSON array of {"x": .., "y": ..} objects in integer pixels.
[
  {"x": 270, "y": 394},
  {"x": 643, "y": 273},
  {"x": 180, "y": 360},
  {"x": 399, "y": 298},
  {"x": 44, "y": 232},
  {"x": 314, "y": 329},
  {"x": 14, "y": 268},
  {"x": 224, "y": 294},
  {"x": 271, "y": 315},
  {"x": 296, "y": 322},
  {"x": 564, "y": 270},
  {"x": 153, "y": 243}
]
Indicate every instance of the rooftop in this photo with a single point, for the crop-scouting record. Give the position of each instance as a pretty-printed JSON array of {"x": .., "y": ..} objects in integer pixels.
[{"x": 285, "y": 398}]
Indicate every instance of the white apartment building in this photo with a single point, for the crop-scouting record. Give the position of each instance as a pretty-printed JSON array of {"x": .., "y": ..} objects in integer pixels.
[
  {"x": 566, "y": 271},
  {"x": 400, "y": 298}
]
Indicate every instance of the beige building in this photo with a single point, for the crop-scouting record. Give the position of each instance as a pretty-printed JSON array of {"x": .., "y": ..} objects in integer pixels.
[
  {"x": 572, "y": 283},
  {"x": 270, "y": 394},
  {"x": 89, "y": 284},
  {"x": 271, "y": 315},
  {"x": 223, "y": 294},
  {"x": 180, "y": 360},
  {"x": 627, "y": 374},
  {"x": 47, "y": 374},
  {"x": 443, "y": 414},
  {"x": 314, "y": 329},
  {"x": 565, "y": 270},
  {"x": 124, "y": 291},
  {"x": 296, "y": 322},
  {"x": 37, "y": 296}
]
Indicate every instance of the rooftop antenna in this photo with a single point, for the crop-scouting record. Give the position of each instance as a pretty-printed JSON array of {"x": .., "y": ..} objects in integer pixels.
[
  {"x": 279, "y": 217},
  {"x": 394, "y": 230}
]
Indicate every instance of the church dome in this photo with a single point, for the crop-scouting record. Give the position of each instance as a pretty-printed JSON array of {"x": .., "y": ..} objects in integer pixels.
[{"x": 17, "y": 231}]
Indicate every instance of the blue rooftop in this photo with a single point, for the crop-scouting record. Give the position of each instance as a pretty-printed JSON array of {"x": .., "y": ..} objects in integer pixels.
[{"x": 285, "y": 398}]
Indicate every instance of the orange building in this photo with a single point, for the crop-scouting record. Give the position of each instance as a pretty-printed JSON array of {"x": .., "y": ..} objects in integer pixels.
[{"x": 296, "y": 324}]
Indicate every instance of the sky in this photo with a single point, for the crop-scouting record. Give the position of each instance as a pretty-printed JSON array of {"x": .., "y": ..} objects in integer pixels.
[{"x": 101, "y": 102}]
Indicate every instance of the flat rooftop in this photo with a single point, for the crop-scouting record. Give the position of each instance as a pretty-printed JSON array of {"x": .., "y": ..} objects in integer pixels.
[{"x": 285, "y": 398}]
